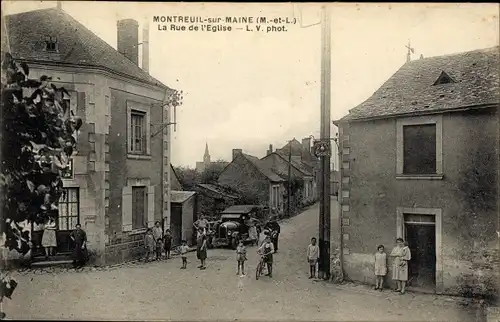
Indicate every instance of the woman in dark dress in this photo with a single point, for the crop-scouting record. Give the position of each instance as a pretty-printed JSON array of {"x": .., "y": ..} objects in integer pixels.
[
  {"x": 201, "y": 250},
  {"x": 79, "y": 237}
]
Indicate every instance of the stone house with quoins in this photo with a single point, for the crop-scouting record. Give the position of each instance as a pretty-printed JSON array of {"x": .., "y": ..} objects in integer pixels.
[
  {"x": 115, "y": 188},
  {"x": 420, "y": 160},
  {"x": 250, "y": 176}
]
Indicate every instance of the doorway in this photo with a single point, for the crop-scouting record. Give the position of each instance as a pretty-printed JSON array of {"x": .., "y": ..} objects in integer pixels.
[
  {"x": 420, "y": 233},
  {"x": 176, "y": 223}
]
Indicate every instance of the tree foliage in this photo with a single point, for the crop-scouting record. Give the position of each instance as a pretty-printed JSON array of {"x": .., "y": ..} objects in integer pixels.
[
  {"x": 189, "y": 177},
  {"x": 211, "y": 173},
  {"x": 37, "y": 143}
]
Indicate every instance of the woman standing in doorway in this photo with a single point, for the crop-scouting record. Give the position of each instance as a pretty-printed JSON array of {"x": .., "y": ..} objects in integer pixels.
[
  {"x": 49, "y": 241},
  {"x": 401, "y": 254}
]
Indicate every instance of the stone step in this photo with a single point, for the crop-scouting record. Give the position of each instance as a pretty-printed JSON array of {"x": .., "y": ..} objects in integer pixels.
[
  {"x": 58, "y": 257},
  {"x": 51, "y": 263}
]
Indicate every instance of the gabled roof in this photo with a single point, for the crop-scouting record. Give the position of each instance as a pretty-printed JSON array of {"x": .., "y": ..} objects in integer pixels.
[
  {"x": 180, "y": 196},
  {"x": 262, "y": 168},
  {"x": 411, "y": 89},
  {"x": 217, "y": 190},
  {"x": 299, "y": 166},
  {"x": 77, "y": 45}
]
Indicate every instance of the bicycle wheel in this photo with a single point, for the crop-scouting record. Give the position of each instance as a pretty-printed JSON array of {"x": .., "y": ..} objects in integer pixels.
[{"x": 258, "y": 271}]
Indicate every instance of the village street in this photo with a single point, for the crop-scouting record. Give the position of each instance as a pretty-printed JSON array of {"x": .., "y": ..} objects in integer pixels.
[{"x": 160, "y": 290}]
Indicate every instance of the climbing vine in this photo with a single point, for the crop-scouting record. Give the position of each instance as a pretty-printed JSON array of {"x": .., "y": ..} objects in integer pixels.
[{"x": 36, "y": 145}]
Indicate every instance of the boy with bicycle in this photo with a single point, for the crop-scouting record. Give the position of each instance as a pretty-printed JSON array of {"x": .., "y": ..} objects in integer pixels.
[{"x": 267, "y": 251}]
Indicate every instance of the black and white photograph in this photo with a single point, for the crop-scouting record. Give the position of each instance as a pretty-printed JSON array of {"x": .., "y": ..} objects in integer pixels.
[{"x": 238, "y": 161}]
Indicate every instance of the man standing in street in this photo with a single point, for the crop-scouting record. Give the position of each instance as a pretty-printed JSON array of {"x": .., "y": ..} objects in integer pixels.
[
  {"x": 79, "y": 237},
  {"x": 274, "y": 228}
]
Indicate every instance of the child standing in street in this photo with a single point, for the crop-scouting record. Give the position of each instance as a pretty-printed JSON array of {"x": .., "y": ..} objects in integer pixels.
[
  {"x": 312, "y": 257},
  {"x": 149, "y": 244},
  {"x": 184, "y": 251},
  {"x": 241, "y": 257},
  {"x": 380, "y": 267},
  {"x": 168, "y": 243}
]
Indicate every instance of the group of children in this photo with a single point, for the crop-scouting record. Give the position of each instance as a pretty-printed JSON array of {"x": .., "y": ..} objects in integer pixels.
[
  {"x": 401, "y": 255},
  {"x": 155, "y": 242}
]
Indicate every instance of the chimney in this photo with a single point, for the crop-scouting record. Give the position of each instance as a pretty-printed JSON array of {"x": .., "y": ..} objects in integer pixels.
[
  {"x": 145, "y": 48},
  {"x": 128, "y": 39},
  {"x": 306, "y": 144},
  {"x": 270, "y": 149},
  {"x": 59, "y": 5},
  {"x": 237, "y": 152},
  {"x": 421, "y": 56}
]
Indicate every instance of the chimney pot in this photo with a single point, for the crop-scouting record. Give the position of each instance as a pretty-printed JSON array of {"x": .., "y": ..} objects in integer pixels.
[
  {"x": 306, "y": 144},
  {"x": 128, "y": 39}
]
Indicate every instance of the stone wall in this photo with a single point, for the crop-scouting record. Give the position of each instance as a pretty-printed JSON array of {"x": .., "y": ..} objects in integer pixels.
[{"x": 466, "y": 197}]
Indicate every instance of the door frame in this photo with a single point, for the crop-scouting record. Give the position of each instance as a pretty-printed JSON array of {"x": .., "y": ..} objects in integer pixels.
[{"x": 400, "y": 233}]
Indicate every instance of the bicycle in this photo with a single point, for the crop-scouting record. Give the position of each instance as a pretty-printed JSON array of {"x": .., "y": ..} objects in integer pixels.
[{"x": 260, "y": 266}]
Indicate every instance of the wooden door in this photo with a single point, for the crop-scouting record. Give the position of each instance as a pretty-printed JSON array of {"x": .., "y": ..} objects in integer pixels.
[
  {"x": 139, "y": 207},
  {"x": 176, "y": 224}
]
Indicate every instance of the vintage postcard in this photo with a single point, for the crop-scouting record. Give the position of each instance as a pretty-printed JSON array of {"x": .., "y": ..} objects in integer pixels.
[{"x": 250, "y": 161}]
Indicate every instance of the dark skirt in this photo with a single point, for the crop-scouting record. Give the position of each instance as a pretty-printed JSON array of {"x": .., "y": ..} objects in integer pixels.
[{"x": 201, "y": 254}]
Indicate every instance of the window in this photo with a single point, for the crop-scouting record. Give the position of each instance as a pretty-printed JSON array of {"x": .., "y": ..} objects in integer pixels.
[
  {"x": 419, "y": 152},
  {"x": 138, "y": 130},
  {"x": 51, "y": 44},
  {"x": 137, "y": 133},
  {"x": 139, "y": 207},
  {"x": 419, "y": 149},
  {"x": 69, "y": 209}
]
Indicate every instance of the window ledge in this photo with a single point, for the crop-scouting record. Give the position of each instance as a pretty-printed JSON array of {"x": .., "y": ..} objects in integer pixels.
[
  {"x": 137, "y": 231},
  {"x": 138, "y": 156},
  {"x": 420, "y": 177}
]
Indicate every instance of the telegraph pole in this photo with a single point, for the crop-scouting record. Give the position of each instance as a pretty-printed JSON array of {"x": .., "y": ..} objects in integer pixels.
[
  {"x": 324, "y": 215},
  {"x": 289, "y": 201}
]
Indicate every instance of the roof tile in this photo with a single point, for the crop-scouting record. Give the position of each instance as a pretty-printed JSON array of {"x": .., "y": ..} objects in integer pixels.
[
  {"x": 411, "y": 89},
  {"x": 77, "y": 44}
]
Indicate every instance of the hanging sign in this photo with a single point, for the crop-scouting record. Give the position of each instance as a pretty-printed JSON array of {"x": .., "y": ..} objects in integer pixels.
[{"x": 321, "y": 148}]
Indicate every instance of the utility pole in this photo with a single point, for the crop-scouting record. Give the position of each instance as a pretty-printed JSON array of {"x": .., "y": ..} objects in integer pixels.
[
  {"x": 324, "y": 215},
  {"x": 289, "y": 201}
]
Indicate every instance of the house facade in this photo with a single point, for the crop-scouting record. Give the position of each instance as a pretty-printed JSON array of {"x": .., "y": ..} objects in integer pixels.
[
  {"x": 420, "y": 161},
  {"x": 253, "y": 178},
  {"x": 280, "y": 166},
  {"x": 119, "y": 180},
  {"x": 302, "y": 158}
]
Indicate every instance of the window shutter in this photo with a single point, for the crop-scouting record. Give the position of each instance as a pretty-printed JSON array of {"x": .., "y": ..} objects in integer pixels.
[
  {"x": 151, "y": 206},
  {"x": 127, "y": 208}
]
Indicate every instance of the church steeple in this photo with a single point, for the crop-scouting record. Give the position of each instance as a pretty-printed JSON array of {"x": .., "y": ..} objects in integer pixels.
[{"x": 206, "y": 156}]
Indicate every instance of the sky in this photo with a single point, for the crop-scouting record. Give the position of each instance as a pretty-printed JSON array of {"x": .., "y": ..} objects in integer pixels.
[{"x": 250, "y": 89}]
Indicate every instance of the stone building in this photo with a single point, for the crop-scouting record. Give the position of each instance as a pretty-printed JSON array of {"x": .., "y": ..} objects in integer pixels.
[
  {"x": 254, "y": 179},
  {"x": 420, "y": 160},
  {"x": 119, "y": 183}
]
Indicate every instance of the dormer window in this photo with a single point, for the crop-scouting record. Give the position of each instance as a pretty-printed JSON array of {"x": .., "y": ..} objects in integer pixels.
[
  {"x": 444, "y": 79},
  {"x": 51, "y": 44}
]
